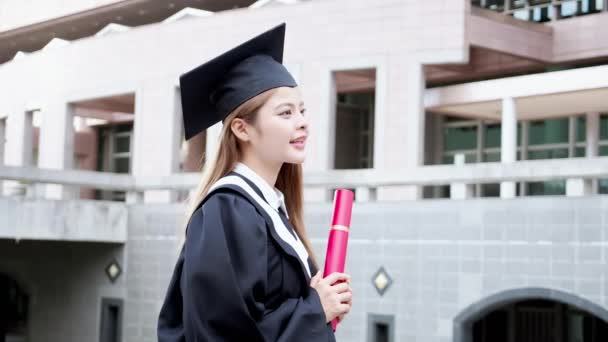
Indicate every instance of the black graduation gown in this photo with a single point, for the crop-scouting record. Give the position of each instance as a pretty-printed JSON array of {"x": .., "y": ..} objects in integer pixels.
[{"x": 236, "y": 280}]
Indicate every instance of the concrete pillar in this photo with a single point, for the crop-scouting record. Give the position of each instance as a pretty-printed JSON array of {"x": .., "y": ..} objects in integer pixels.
[
  {"x": 592, "y": 148},
  {"x": 581, "y": 186},
  {"x": 578, "y": 187},
  {"x": 593, "y": 135},
  {"x": 18, "y": 147},
  {"x": 156, "y": 135},
  {"x": 365, "y": 194},
  {"x": 213, "y": 140},
  {"x": 508, "y": 143},
  {"x": 56, "y": 149},
  {"x": 401, "y": 135},
  {"x": 415, "y": 123},
  {"x": 461, "y": 190},
  {"x": 2, "y": 140}
]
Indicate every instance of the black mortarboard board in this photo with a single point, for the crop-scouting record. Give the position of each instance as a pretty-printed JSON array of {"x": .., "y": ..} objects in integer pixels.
[{"x": 214, "y": 89}]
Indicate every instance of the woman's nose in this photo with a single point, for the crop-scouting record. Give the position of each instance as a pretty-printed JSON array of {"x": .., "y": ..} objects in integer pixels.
[{"x": 302, "y": 121}]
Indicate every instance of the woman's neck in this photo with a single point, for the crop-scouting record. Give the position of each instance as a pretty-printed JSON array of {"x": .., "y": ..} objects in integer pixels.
[{"x": 268, "y": 171}]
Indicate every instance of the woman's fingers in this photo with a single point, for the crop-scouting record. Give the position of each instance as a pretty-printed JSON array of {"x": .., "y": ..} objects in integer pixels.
[
  {"x": 345, "y": 297},
  {"x": 315, "y": 280},
  {"x": 341, "y": 287},
  {"x": 336, "y": 276}
]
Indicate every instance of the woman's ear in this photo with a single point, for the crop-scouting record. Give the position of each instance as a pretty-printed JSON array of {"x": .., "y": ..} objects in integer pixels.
[{"x": 239, "y": 129}]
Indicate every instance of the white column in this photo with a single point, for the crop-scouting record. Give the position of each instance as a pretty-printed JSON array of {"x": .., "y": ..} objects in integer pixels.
[
  {"x": 213, "y": 140},
  {"x": 402, "y": 138},
  {"x": 2, "y": 146},
  {"x": 18, "y": 147},
  {"x": 56, "y": 149},
  {"x": 365, "y": 194},
  {"x": 508, "y": 142},
  {"x": 156, "y": 135},
  {"x": 593, "y": 135},
  {"x": 2, "y": 141},
  {"x": 461, "y": 190}
]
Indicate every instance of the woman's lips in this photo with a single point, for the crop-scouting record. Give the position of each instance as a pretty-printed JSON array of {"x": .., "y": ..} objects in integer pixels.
[{"x": 298, "y": 143}]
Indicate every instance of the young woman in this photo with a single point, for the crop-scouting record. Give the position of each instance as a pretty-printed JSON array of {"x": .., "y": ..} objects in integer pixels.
[{"x": 247, "y": 271}]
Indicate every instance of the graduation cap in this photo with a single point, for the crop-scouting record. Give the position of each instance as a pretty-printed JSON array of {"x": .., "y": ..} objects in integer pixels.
[{"x": 214, "y": 89}]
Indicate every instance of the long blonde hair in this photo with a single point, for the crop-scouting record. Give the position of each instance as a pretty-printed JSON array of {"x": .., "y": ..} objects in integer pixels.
[{"x": 289, "y": 179}]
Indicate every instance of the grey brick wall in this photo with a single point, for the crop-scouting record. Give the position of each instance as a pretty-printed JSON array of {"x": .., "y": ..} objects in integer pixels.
[{"x": 447, "y": 260}]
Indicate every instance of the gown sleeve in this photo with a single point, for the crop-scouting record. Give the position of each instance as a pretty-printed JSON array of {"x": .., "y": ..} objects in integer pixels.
[{"x": 224, "y": 281}]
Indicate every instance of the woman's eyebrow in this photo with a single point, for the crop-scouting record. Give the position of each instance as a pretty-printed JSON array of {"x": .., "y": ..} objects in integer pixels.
[{"x": 288, "y": 104}]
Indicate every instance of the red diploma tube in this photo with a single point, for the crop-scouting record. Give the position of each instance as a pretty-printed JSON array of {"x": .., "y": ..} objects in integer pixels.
[{"x": 338, "y": 235}]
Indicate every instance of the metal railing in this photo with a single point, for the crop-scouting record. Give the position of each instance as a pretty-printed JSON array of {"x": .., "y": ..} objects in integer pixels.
[
  {"x": 543, "y": 10},
  {"x": 578, "y": 173}
]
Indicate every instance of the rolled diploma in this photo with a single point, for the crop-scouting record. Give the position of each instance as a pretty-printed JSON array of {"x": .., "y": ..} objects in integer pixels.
[{"x": 338, "y": 235}]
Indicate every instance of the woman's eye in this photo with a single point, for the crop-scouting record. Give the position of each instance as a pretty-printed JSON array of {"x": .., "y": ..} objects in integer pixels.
[
  {"x": 287, "y": 112},
  {"x": 303, "y": 111}
]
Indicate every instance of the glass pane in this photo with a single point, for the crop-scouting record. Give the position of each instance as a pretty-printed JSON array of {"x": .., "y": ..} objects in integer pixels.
[
  {"x": 490, "y": 190},
  {"x": 603, "y": 186},
  {"x": 552, "y": 131},
  {"x": 603, "y": 151},
  {"x": 121, "y": 165},
  {"x": 493, "y": 133},
  {"x": 581, "y": 129},
  {"x": 557, "y": 187},
  {"x": 495, "y": 5},
  {"x": 491, "y": 157},
  {"x": 492, "y": 136},
  {"x": 568, "y": 9},
  {"x": 522, "y": 14},
  {"x": 470, "y": 158},
  {"x": 579, "y": 152},
  {"x": 460, "y": 138},
  {"x": 548, "y": 154},
  {"x": 540, "y": 14},
  {"x": 124, "y": 128},
  {"x": 518, "y": 4},
  {"x": 447, "y": 159},
  {"x": 121, "y": 144},
  {"x": 604, "y": 127}
]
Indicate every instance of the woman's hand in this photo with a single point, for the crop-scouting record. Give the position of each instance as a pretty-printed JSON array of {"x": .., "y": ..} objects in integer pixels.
[{"x": 336, "y": 299}]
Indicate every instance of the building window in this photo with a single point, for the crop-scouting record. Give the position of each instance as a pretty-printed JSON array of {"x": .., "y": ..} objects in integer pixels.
[
  {"x": 114, "y": 155},
  {"x": 380, "y": 328},
  {"x": 111, "y": 320},
  {"x": 354, "y": 125}
]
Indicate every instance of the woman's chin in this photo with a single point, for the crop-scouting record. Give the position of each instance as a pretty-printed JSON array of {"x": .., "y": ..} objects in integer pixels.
[{"x": 296, "y": 159}]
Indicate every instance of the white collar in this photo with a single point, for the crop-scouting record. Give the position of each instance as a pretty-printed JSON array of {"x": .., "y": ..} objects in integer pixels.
[{"x": 272, "y": 195}]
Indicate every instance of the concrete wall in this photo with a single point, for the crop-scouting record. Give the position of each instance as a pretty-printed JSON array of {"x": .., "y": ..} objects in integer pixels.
[
  {"x": 443, "y": 256},
  {"x": 65, "y": 282},
  {"x": 77, "y": 220},
  {"x": 17, "y": 13}
]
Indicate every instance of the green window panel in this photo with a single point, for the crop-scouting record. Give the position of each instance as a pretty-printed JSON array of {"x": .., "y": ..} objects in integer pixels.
[
  {"x": 493, "y": 133},
  {"x": 604, "y": 127},
  {"x": 460, "y": 138},
  {"x": 548, "y": 154},
  {"x": 557, "y": 187},
  {"x": 552, "y": 131},
  {"x": 581, "y": 129}
]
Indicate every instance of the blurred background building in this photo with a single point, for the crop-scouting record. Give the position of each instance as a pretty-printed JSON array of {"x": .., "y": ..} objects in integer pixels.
[{"x": 475, "y": 134}]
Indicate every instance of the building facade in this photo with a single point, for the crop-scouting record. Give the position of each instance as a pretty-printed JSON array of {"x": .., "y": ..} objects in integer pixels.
[{"x": 474, "y": 133}]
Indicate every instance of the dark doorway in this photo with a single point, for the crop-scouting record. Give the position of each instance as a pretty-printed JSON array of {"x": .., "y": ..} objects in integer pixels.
[
  {"x": 13, "y": 309},
  {"x": 111, "y": 320},
  {"x": 539, "y": 321}
]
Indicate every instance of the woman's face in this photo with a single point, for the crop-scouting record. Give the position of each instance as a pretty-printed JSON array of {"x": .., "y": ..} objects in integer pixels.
[{"x": 281, "y": 128}]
